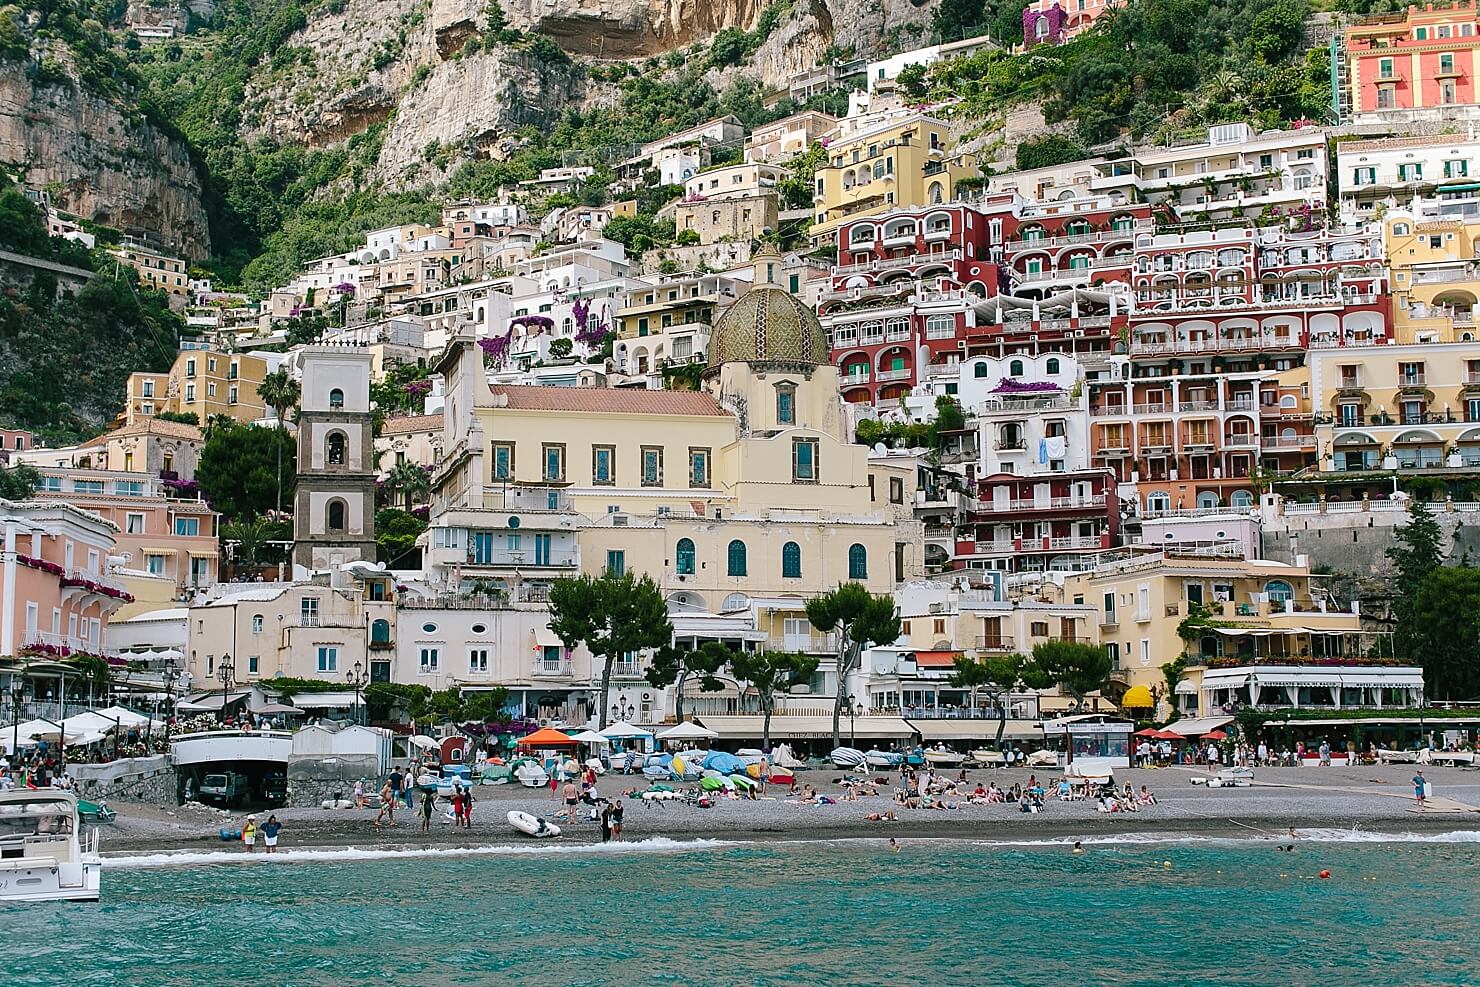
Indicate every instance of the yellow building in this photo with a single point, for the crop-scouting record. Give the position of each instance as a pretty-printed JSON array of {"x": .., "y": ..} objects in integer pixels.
[
  {"x": 744, "y": 498},
  {"x": 205, "y": 382},
  {"x": 156, "y": 270},
  {"x": 1435, "y": 277},
  {"x": 897, "y": 163},
  {"x": 1257, "y": 612}
]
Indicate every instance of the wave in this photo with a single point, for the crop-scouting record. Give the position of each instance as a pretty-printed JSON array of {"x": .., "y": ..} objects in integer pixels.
[
  {"x": 192, "y": 858},
  {"x": 1311, "y": 835}
]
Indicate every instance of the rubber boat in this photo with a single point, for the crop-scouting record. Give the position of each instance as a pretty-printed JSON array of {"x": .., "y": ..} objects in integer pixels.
[
  {"x": 882, "y": 759},
  {"x": 943, "y": 757},
  {"x": 989, "y": 758},
  {"x": 532, "y": 825},
  {"x": 42, "y": 854},
  {"x": 846, "y": 757}
]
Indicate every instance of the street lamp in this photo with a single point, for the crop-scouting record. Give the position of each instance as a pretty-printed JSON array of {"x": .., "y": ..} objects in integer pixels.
[
  {"x": 169, "y": 675},
  {"x": 852, "y": 739},
  {"x": 17, "y": 689},
  {"x": 224, "y": 670},
  {"x": 356, "y": 679}
]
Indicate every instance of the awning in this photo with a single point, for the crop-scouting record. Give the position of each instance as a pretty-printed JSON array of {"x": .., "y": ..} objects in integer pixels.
[
  {"x": 974, "y": 729},
  {"x": 546, "y": 638},
  {"x": 324, "y": 700},
  {"x": 1186, "y": 688},
  {"x": 809, "y": 727},
  {"x": 1196, "y": 726},
  {"x": 936, "y": 659},
  {"x": 275, "y": 709}
]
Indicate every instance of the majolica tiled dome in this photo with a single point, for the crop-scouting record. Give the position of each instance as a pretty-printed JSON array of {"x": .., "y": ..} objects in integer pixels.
[{"x": 767, "y": 323}]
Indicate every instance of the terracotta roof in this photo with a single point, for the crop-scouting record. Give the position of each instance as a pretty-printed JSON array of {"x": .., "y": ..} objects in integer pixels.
[
  {"x": 411, "y": 423},
  {"x": 156, "y": 426},
  {"x": 622, "y": 401}
]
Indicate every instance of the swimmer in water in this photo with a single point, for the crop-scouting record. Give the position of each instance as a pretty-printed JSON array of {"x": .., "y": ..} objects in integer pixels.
[
  {"x": 1078, "y": 847},
  {"x": 1294, "y": 835},
  {"x": 893, "y": 845}
]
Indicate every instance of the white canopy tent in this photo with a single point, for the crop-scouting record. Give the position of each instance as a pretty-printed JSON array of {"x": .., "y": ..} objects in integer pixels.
[
  {"x": 591, "y": 737},
  {"x": 622, "y": 730},
  {"x": 688, "y": 731}
]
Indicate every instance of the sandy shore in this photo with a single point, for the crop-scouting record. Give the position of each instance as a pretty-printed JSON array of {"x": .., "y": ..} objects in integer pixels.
[{"x": 1371, "y": 798}]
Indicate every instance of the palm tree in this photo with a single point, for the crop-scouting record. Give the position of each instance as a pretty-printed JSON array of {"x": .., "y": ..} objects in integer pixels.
[
  {"x": 280, "y": 392},
  {"x": 251, "y": 535},
  {"x": 409, "y": 479}
]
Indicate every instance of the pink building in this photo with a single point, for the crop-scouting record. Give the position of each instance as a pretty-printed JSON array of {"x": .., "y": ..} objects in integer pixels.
[
  {"x": 1052, "y": 22},
  {"x": 56, "y": 591}
]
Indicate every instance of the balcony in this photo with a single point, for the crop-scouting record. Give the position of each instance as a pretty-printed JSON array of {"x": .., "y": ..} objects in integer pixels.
[
  {"x": 812, "y": 644},
  {"x": 1413, "y": 380},
  {"x": 627, "y": 669},
  {"x": 900, "y": 238},
  {"x": 1237, "y": 344},
  {"x": 892, "y": 263},
  {"x": 938, "y": 232},
  {"x": 1094, "y": 542},
  {"x": 1240, "y": 441},
  {"x": 1282, "y": 443},
  {"x": 902, "y": 373},
  {"x": 994, "y": 642},
  {"x": 552, "y": 669},
  {"x": 1048, "y": 503},
  {"x": 1097, "y": 236},
  {"x": 854, "y": 377}
]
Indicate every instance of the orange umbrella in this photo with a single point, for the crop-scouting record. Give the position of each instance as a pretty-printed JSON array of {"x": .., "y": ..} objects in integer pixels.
[
  {"x": 1215, "y": 735},
  {"x": 547, "y": 737}
]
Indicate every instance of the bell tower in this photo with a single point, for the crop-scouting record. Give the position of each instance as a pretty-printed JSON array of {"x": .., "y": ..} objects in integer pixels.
[{"x": 334, "y": 506}]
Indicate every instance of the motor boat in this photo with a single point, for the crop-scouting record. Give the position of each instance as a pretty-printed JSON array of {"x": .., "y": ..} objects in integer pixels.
[
  {"x": 942, "y": 757},
  {"x": 531, "y": 825},
  {"x": 531, "y": 775},
  {"x": 991, "y": 759},
  {"x": 882, "y": 759},
  {"x": 43, "y": 856},
  {"x": 846, "y": 757}
]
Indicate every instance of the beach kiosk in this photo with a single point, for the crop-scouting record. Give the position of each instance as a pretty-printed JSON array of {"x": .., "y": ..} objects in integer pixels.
[{"x": 1097, "y": 740}]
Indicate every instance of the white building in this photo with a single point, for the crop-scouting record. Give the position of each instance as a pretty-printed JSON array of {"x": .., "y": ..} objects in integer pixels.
[{"x": 1394, "y": 171}]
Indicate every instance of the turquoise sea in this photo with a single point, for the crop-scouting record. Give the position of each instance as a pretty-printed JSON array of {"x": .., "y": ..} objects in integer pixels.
[{"x": 1392, "y": 913}]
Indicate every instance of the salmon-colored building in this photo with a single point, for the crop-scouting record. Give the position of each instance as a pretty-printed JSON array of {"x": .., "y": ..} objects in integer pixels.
[
  {"x": 1423, "y": 59},
  {"x": 56, "y": 590}
]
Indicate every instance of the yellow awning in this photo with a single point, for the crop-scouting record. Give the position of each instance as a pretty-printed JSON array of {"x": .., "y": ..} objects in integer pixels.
[{"x": 1137, "y": 697}]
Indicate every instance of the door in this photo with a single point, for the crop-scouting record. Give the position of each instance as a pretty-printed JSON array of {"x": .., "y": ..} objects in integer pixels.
[{"x": 542, "y": 549}]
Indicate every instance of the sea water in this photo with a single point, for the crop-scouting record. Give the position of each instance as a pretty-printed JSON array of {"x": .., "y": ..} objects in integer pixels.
[{"x": 1131, "y": 911}]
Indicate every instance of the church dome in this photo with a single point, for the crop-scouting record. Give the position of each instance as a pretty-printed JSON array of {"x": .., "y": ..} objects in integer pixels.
[{"x": 767, "y": 323}]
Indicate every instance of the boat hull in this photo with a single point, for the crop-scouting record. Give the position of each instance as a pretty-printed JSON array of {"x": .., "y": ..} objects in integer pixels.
[{"x": 41, "y": 880}]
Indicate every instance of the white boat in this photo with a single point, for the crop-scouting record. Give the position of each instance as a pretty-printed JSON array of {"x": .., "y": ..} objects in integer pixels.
[
  {"x": 883, "y": 759},
  {"x": 846, "y": 757},
  {"x": 531, "y": 775},
  {"x": 1397, "y": 757},
  {"x": 531, "y": 825},
  {"x": 990, "y": 758},
  {"x": 42, "y": 854},
  {"x": 942, "y": 757}
]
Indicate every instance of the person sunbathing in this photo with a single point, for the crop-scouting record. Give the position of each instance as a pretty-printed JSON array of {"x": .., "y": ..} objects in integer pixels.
[
  {"x": 1146, "y": 797},
  {"x": 882, "y": 816}
]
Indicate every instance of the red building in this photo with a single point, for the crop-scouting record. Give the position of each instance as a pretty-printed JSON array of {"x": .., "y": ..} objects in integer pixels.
[
  {"x": 1038, "y": 523},
  {"x": 1422, "y": 59}
]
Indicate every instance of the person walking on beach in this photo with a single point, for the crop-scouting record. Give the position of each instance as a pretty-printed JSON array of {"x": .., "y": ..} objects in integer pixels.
[
  {"x": 387, "y": 806},
  {"x": 270, "y": 831},
  {"x": 1420, "y": 789},
  {"x": 467, "y": 808},
  {"x": 606, "y": 824},
  {"x": 428, "y": 805},
  {"x": 616, "y": 817},
  {"x": 360, "y": 794},
  {"x": 408, "y": 782},
  {"x": 249, "y": 834},
  {"x": 571, "y": 798},
  {"x": 1325, "y": 750}
]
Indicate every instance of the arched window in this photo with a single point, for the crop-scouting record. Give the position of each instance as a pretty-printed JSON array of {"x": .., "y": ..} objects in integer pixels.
[
  {"x": 335, "y": 520},
  {"x": 1158, "y": 502},
  {"x": 335, "y": 450},
  {"x": 685, "y": 556},
  {"x": 736, "y": 565},
  {"x": 336, "y": 398},
  {"x": 1015, "y": 368},
  {"x": 857, "y": 562},
  {"x": 791, "y": 561},
  {"x": 1278, "y": 591},
  {"x": 1241, "y": 498},
  {"x": 937, "y": 193},
  {"x": 380, "y": 632},
  {"x": 1052, "y": 366},
  {"x": 981, "y": 370},
  {"x": 1207, "y": 500}
]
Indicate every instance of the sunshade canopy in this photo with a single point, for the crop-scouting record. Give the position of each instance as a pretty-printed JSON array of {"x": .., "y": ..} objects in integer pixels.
[
  {"x": 622, "y": 730},
  {"x": 548, "y": 737},
  {"x": 687, "y": 731},
  {"x": 1138, "y": 697}
]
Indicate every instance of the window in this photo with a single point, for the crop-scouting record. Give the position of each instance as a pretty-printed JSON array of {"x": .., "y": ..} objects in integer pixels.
[
  {"x": 786, "y": 400},
  {"x": 336, "y": 398},
  {"x": 684, "y": 557},
  {"x": 804, "y": 465},
  {"x": 616, "y": 562},
  {"x": 735, "y": 565},
  {"x": 503, "y": 461},
  {"x": 133, "y": 523},
  {"x": 1385, "y": 68},
  {"x": 478, "y": 660},
  {"x": 1015, "y": 368},
  {"x": 791, "y": 561},
  {"x": 147, "y": 389},
  {"x": 981, "y": 370},
  {"x": 1052, "y": 367},
  {"x": 334, "y": 516},
  {"x": 328, "y": 659},
  {"x": 1364, "y": 176},
  {"x": 553, "y": 456},
  {"x": 698, "y": 467},
  {"x": 1278, "y": 591},
  {"x": 1412, "y": 172},
  {"x": 1038, "y": 628},
  {"x": 1458, "y": 168},
  {"x": 335, "y": 449},
  {"x": 308, "y": 612},
  {"x": 429, "y": 659},
  {"x": 602, "y": 460},
  {"x": 188, "y": 527},
  {"x": 189, "y": 393},
  {"x": 154, "y": 564},
  {"x": 857, "y": 562},
  {"x": 652, "y": 466},
  {"x": 896, "y": 490},
  {"x": 252, "y": 664}
]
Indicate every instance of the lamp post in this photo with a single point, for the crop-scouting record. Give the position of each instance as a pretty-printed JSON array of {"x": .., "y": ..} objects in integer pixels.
[
  {"x": 224, "y": 670},
  {"x": 17, "y": 689},
  {"x": 356, "y": 678},
  {"x": 169, "y": 675},
  {"x": 852, "y": 739}
]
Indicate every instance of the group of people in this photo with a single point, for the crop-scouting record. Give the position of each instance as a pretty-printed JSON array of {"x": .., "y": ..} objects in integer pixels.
[
  {"x": 268, "y": 831},
  {"x": 35, "y": 772}
]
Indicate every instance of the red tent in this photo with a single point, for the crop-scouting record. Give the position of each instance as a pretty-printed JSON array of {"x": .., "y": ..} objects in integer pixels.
[
  {"x": 1215, "y": 735},
  {"x": 547, "y": 737},
  {"x": 1148, "y": 732}
]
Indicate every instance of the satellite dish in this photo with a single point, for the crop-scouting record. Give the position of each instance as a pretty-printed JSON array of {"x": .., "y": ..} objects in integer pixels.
[{"x": 881, "y": 448}]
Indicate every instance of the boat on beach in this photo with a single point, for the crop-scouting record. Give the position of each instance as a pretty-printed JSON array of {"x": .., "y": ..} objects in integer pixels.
[
  {"x": 943, "y": 757},
  {"x": 532, "y": 825},
  {"x": 846, "y": 757},
  {"x": 43, "y": 856},
  {"x": 883, "y": 759},
  {"x": 991, "y": 759}
]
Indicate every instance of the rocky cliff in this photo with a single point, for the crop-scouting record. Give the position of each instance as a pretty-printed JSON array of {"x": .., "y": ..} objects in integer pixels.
[
  {"x": 632, "y": 28},
  {"x": 102, "y": 159}
]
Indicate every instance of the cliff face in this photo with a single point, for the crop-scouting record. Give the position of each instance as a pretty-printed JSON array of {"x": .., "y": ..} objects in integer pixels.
[
  {"x": 632, "y": 28},
  {"x": 109, "y": 164}
]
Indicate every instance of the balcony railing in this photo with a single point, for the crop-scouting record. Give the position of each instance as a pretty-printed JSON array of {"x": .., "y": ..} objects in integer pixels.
[
  {"x": 557, "y": 668},
  {"x": 1153, "y": 347},
  {"x": 902, "y": 373},
  {"x": 1049, "y": 503},
  {"x": 994, "y": 642},
  {"x": 854, "y": 377},
  {"x": 1097, "y": 236},
  {"x": 891, "y": 263}
]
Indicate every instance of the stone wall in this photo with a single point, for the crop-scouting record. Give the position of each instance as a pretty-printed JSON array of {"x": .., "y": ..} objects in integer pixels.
[
  {"x": 714, "y": 220},
  {"x": 1353, "y": 538}
]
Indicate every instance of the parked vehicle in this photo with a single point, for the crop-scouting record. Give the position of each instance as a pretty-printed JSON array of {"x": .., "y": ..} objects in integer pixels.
[{"x": 225, "y": 789}]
